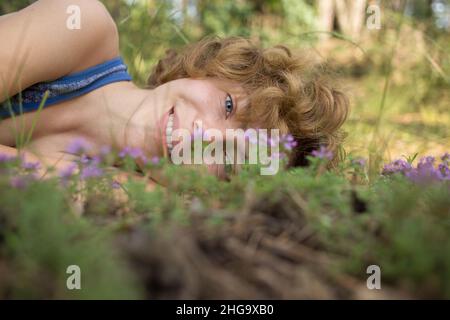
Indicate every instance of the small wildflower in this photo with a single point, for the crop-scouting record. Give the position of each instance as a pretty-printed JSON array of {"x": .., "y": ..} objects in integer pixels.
[
  {"x": 444, "y": 171},
  {"x": 144, "y": 160},
  {"x": 290, "y": 144},
  {"x": 288, "y": 141},
  {"x": 84, "y": 159},
  {"x": 6, "y": 157},
  {"x": 68, "y": 171},
  {"x": 397, "y": 166},
  {"x": 290, "y": 138},
  {"x": 124, "y": 152},
  {"x": 132, "y": 152},
  {"x": 136, "y": 153},
  {"x": 91, "y": 171},
  {"x": 20, "y": 182},
  {"x": 424, "y": 172},
  {"x": 359, "y": 162},
  {"x": 423, "y": 175},
  {"x": 31, "y": 165},
  {"x": 427, "y": 162},
  {"x": 96, "y": 160},
  {"x": 155, "y": 159},
  {"x": 115, "y": 185},
  {"x": 78, "y": 146},
  {"x": 105, "y": 150},
  {"x": 323, "y": 153}
]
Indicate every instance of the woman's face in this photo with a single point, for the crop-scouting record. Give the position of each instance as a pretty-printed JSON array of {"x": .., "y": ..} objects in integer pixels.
[{"x": 198, "y": 104}]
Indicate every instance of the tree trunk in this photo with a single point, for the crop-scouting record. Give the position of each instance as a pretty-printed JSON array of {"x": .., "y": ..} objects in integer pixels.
[
  {"x": 326, "y": 18},
  {"x": 350, "y": 16}
]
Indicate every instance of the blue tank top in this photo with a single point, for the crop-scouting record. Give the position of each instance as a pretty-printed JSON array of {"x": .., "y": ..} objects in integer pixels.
[{"x": 67, "y": 87}]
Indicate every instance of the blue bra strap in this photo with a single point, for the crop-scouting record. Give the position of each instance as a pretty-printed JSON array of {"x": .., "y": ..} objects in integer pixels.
[{"x": 68, "y": 87}]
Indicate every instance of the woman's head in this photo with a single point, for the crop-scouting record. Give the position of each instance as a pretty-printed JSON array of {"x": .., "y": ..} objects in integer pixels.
[{"x": 233, "y": 83}]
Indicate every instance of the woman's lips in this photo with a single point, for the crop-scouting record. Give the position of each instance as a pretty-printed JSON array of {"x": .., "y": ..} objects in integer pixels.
[
  {"x": 162, "y": 130},
  {"x": 163, "y": 127},
  {"x": 175, "y": 126}
]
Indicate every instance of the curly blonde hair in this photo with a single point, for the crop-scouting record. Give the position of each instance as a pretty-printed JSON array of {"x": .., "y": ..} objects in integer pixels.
[{"x": 291, "y": 92}]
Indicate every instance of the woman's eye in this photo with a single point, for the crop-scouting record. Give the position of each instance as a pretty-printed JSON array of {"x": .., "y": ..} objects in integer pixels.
[{"x": 228, "y": 105}]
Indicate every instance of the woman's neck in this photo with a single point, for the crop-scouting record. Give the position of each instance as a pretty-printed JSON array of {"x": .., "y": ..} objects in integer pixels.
[{"x": 122, "y": 114}]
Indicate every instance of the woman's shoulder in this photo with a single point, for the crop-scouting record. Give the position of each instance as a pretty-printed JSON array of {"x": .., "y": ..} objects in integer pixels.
[
  {"x": 46, "y": 49},
  {"x": 98, "y": 39},
  {"x": 57, "y": 38}
]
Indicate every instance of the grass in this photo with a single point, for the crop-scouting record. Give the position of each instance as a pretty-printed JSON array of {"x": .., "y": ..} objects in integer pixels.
[{"x": 252, "y": 237}]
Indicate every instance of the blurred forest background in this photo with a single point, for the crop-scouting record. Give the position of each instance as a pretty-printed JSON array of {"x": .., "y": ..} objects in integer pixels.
[{"x": 392, "y": 56}]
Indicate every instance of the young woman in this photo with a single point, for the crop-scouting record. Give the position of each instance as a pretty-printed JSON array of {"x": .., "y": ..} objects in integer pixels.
[{"x": 224, "y": 83}]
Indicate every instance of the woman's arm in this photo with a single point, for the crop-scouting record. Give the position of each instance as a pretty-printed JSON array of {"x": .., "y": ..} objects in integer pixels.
[
  {"x": 29, "y": 156},
  {"x": 119, "y": 175},
  {"x": 37, "y": 45}
]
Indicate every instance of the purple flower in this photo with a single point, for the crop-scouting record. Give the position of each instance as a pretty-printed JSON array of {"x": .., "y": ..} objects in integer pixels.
[
  {"x": 446, "y": 158},
  {"x": 423, "y": 175},
  {"x": 20, "y": 182},
  {"x": 96, "y": 160},
  {"x": 359, "y": 162},
  {"x": 426, "y": 162},
  {"x": 132, "y": 152},
  {"x": 78, "y": 146},
  {"x": 288, "y": 141},
  {"x": 323, "y": 153},
  {"x": 68, "y": 171},
  {"x": 290, "y": 145},
  {"x": 91, "y": 171},
  {"x": 289, "y": 138},
  {"x": 136, "y": 153},
  {"x": 6, "y": 157},
  {"x": 105, "y": 150},
  {"x": 31, "y": 165},
  {"x": 115, "y": 185},
  {"x": 124, "y": 152},
  {"x": 397, "y": 166},
  {"x": 425, "y": 172},
  {"x": 84, "y": 159},
  {"x": 155, "y": 159},
  {"x": 444, "y": 171}
]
